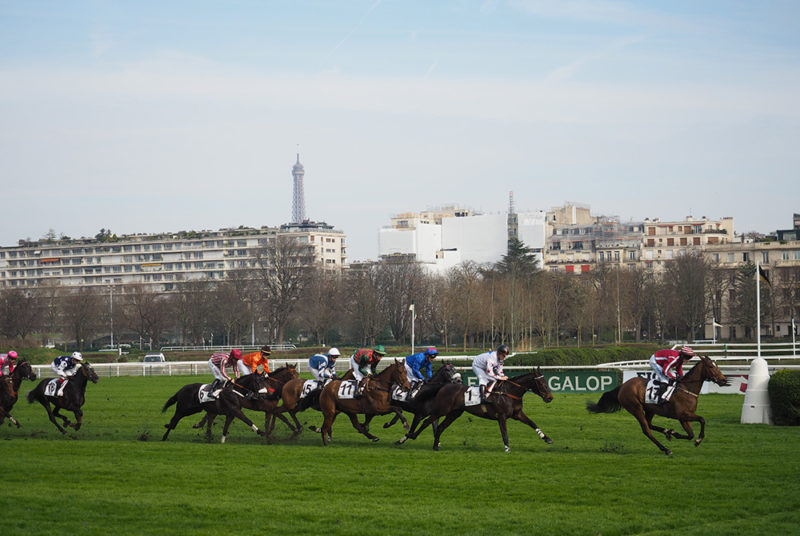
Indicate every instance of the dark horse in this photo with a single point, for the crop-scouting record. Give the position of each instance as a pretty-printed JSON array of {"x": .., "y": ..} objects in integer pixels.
[
  {"x": 72, "y": 399},
  {"x": 229, "y": 403},
  {"x": 631, "y": 396},
  {"x": 422, "y": 403},
  {"x": 23, "y": 371},
  {"x": 376, "y": 400},
  {"x": 504, "y": 403},
  {"x": 276, "y": 381}
]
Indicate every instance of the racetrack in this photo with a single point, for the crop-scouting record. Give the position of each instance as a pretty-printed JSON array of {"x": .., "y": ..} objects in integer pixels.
[{"x": 600, "y": 475}]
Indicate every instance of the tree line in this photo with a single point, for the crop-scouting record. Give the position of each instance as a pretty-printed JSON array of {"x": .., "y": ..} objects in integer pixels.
[{"x": 284, "y": 296}]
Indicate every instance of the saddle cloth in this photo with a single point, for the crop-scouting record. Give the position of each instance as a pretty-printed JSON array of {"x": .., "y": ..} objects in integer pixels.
[
  {"x": 653, "y": 388},
  {"x": 308, "y": 386},
  {"x": 204, "y": 393},
  {"x": 472, "y": 396},
  {"x": 347, "y": 390},
  {"x": 51, "y": 389},
  {"x": 399, "y": 394}
]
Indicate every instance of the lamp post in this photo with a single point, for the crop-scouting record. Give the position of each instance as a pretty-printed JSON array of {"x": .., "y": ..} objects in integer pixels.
[
  {"x": 413, "y": 316},
  {"x": 111, "y": 311}
]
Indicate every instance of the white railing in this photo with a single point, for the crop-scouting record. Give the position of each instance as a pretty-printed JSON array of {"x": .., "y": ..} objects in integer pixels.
[{"x": 273, "y": 347}]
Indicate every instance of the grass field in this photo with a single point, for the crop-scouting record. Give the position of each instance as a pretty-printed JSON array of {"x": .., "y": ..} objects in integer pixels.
[{"x": 600, "y": 475}]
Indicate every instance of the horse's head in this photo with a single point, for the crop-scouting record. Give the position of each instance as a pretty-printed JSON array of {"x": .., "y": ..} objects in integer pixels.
[
  {"x": 88, "y": 371},
  {"x": 285, "y": 373},
  {"x": 25, "y": 371},
  {"x": 539, "y": 386},
  {"x": 711, "y": 371},
  {"x": 449, "y": 374},
  {"x": 398, "y": 374}
]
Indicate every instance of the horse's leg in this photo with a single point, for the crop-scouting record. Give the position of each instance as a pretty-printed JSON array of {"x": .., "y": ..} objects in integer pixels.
[
  {"x": 51, "y": 414},
  {"x": 173, "y": 422},
  {"x": 209, "y": 418},
  {"x": 78, "y": 419},
  {"x": 202, "y": 422},
  {"x": 398, "y": 413},
  {"x": 439, "y": 428},
  {"x": 285, "y": 421},
  {"x": 640, "y": 416},
  {"x": 521, "y": 417},
  {"x": 239, "y": 414},
  {"x": 228, "y": 420},
  {"x": 367, "y": 420},
  {"x": 415, "y": 434},
  {"x": 327, "y": 426},
  {"x": 361, "y": 428},
  {"x": 410, "y": 433},
  {"x": 57, "y": 413},
  {"x": 393, "y": 421},
  {"x": 501, "y": 421}
]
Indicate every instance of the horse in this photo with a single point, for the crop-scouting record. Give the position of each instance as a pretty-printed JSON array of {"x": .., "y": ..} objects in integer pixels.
[
  {"x": 23, "y": 371},
  {"x": 276, "y": 381},
  {"x": 376, "y": 400},
  {"x": 72, "y": 399},
  {"x": 505, "y": 402},
  {"x": 292, "y": 403},
  {"x": 229, "y": 403},
  {"x": 631, "y": 396},
  {"x": 422, "y": 403}
]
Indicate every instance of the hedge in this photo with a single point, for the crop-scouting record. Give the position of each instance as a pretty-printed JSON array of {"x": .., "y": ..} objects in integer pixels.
[
  {"x": 784, "y": 397},
  {"x": 582, "y": 356}
]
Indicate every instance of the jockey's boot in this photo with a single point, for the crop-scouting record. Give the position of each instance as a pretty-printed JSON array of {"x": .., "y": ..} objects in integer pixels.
[
  {"x": 482, "y": 389},
  {"x": 214, "y": 389},
  {"x": 62, "y": 385},
  {"x": 360, "y": 388}
]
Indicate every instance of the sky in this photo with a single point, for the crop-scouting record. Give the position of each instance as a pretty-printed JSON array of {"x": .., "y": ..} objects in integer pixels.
[{"x": 162, "y": 116}]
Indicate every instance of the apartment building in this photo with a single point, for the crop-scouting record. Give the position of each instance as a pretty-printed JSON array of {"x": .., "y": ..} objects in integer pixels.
[
  {"x": 158, "y": 260},
  {"x": 664, "y": 241}
]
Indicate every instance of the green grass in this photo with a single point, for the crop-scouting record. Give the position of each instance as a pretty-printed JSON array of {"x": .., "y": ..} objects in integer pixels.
[{"x": 600, "y": 475}]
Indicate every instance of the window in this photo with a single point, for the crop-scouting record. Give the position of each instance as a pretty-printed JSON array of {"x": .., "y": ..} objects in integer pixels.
[
  {"x": 696, "y": 241},
  {"x": 670, "y": 241},
  {"x": 616, "y": 256},
  {"x": 745, "y": 257},
  {"x": 632, "y": 255},
  {"x": 683, "y": 242},
  {"x": 784, "y": 255},
  {"x": 731, "y": 257},
  {"x": 651, "y": 242},
  {"x": 715, "y": 257},
  {"x": 765, "y": 257}
]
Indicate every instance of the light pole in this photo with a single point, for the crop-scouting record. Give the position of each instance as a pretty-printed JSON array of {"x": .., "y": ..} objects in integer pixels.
[
  {"x": 413, "y": 316},
  {"x": 111, "y": 311}
]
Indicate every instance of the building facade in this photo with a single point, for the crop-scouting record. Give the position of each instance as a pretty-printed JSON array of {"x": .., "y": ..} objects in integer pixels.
[{"x": 159, "y": 261}]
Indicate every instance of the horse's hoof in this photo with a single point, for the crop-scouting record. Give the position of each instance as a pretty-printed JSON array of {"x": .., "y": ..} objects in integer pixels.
[
  {"x": 668, "y": 452},
  {"x": 697, "y": 442},
  {"x": 508, "y": 449},
  {"x": 376, "y": 439},
  {"x": 669, "y": 433},
  {"x": 548, "y": 440}
]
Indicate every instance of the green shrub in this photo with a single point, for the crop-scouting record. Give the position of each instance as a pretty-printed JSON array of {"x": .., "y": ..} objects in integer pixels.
[
  {"x": 784, "y": 397},
  {"x": 581, "y": 356}
]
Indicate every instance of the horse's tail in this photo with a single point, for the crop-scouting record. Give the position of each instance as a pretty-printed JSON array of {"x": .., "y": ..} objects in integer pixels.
[
  {"x": 33, "y": 394},
  {"x": 173, "y": 399},
  {"x": 608, "y": 403}
]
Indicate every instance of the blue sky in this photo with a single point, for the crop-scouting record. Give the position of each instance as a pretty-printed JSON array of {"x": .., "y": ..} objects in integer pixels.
[{"x": 165, "y": 116}]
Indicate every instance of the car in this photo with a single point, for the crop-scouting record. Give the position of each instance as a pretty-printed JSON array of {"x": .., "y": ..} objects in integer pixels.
[{"x": 154, "y": 358}]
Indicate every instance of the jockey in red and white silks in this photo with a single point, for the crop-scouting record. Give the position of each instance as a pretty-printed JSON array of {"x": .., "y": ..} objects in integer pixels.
[{"x": 668, "y": 364}]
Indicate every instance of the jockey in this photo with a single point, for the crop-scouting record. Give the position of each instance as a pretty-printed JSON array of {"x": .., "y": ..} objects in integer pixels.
[
  {"x": 7, "y": 362},
  {"x": 323, "y": 366},
  {"x": 363, "y": 362},
  {"x": 66, "y": 366},
  {"x": 488, "y": 367},
  {"x": 668, "y": 367},
  {"x": 250, "y": 362},
  {"x": 217, "y": 364},
  {"x": 415, "y": 363}
]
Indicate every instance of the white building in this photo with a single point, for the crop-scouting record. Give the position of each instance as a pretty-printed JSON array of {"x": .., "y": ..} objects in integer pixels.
[{"x": 443, "y": 242}]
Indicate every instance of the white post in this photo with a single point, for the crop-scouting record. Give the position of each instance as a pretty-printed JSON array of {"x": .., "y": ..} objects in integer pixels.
[
  {"x": 713, "y": 330},
  {"x": 413, "y": 317},
  {"x": 758, "y": 308},
  {"x": 111, "y": 306},
  {"x": 794, "y": 335}
]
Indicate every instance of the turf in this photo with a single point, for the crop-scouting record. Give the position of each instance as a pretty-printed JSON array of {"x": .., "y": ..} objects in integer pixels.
[{"x": 600, "y": 475}]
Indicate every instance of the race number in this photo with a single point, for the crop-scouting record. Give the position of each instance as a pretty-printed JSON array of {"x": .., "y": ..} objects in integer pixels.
[
  {"x": 472, "y": 396},
  {"x": 347, "y": 390},
  {"x": 399, "y": 394},
  {"x": 308, "y": 386}
]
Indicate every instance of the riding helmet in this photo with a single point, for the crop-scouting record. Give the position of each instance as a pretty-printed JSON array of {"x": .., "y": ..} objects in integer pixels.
[
  {"x": 380, "y": 350},
  {"x": 236, "y": 353},
  {"x": 77, "y": 356},
  {"x": 12, "y": 354},
  {"x": 687, "y": 352},
  {"x": 503, "y": 349},
  {"x": 431, "y": 351},
  {"x": 334, "y": 352}
]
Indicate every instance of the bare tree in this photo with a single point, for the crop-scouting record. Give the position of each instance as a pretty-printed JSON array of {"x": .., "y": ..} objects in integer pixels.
[
  {"x": 321, "y": 304},
  {"x": 400, "y": 284},
  {"x": 364, "y": 303},
  {"x": 687, "y": 277},
  {"x": 80, "y": 311},
  {"x": 144, "y": 312},
  {"x": 20, "y": 312},
  {"x": 192, "y": 306},
  {"x": 283, "y": 271}
]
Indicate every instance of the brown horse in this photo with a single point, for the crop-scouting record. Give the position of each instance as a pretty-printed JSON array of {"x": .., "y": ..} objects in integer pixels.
[
  {"x": 23, "y": 371},
  {"x": 376, "y": 400},
  {"x": 276, "y": 381},
  {"x": 292, "y": 403},
  {"x": 631, "y": 396},
  {"x": 504, "y": 403}
]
